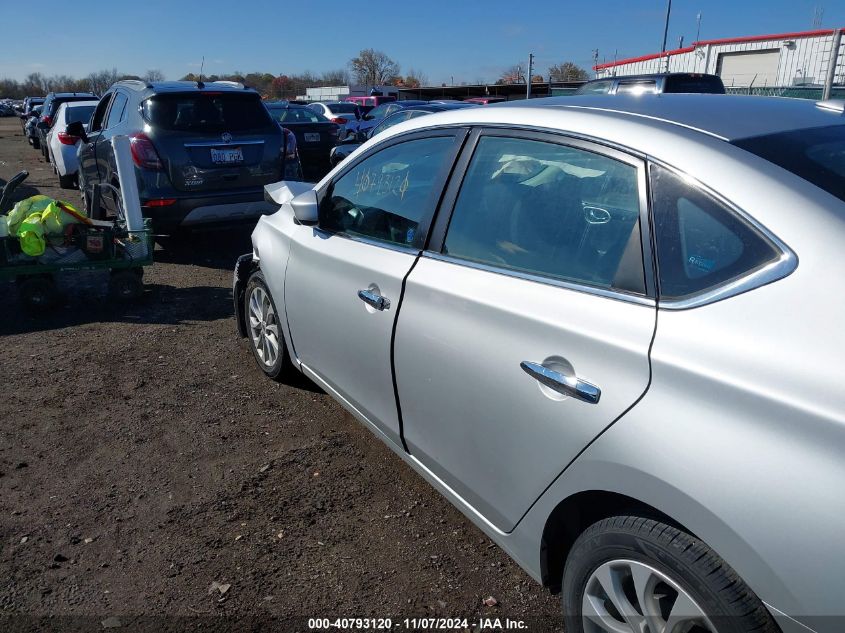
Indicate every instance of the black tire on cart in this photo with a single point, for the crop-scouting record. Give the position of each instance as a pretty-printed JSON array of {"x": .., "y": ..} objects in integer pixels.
[
  {"x": 38, "y": 292},
  {"x": 126, "y": 284}
]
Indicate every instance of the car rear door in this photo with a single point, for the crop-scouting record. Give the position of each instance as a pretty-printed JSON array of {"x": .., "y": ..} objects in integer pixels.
[
  {"x": 525, "y": 327},
  {"x": 214, "y": 140},
  {"x": 344, "y": 277}
]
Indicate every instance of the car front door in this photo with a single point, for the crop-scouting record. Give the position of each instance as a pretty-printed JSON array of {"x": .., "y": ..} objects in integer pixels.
[
  {"x": 88, "y": 172},
  {"x": 525, "y": 327},
  {"x": 344, "y": 277},
  {"x": 105, "y": 155}
]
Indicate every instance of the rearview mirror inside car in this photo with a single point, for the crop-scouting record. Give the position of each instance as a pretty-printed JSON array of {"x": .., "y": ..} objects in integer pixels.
[
  {"x": 305, "y": 207},
  {"x": 77, "y": 129}
]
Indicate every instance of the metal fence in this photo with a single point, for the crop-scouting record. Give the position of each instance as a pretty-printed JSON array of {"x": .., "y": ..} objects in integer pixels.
[{"x": 796, "y": 92}]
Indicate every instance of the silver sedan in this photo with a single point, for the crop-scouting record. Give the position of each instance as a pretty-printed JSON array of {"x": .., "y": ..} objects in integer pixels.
[{"x": 606, "y": 328}]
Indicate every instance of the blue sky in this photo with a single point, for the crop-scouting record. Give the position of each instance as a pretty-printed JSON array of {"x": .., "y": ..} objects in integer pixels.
[{"x": 460, "y": 40}]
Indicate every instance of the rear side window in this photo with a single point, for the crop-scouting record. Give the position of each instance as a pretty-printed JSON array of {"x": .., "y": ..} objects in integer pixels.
[
  {"x": 694, "y": 83},
  {"x": 594, "y": 88},
  {"x": 389, "y": 195},
  {"x": 638, "y": 87},
  {"x": 80, "y": 114},
  {"x": 100, "y": 113},
  {"x": 297, "y": 115},
  {"x": 551, "y": 210},
  {"x": 207, "y": 112},
  {"x": 700, "y": 243}
]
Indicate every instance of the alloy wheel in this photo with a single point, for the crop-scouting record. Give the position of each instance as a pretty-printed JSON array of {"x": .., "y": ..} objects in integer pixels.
[
  {"x": 626, "y": 596},
  {"x": 263, "y": 327}
]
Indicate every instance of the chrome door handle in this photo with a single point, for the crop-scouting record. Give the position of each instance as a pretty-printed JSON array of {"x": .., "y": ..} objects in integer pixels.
[
  {"x": 374, "y": 299},
  {"x": 567, "y": 385}
]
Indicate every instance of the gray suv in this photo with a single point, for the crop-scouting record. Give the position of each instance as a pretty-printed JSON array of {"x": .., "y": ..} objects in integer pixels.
[{"x": 202, "y": 151}]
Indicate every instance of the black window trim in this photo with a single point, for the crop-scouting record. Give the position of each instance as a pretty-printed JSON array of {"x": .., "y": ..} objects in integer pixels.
[
  {"x": 434, "y": 247},
  {"x": 756, "y": 277},
  {"x": 458, "y": 134}
]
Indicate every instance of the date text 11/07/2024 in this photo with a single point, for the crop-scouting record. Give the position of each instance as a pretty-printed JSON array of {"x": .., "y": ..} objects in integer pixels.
[{"x": 417, "y": 624}]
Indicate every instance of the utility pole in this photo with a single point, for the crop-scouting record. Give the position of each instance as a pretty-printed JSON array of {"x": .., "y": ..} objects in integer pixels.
[
  {"x": 596, "y": 61},
  {"x": 530, "y": 72},
  {"x": 832, "y": 62},
  {"x": 666, "y": 32},
  {"x": 698, "y": 27}
]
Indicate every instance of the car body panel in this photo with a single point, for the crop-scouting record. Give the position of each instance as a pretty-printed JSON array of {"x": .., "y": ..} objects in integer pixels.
[{"x": 64, "y": 157}]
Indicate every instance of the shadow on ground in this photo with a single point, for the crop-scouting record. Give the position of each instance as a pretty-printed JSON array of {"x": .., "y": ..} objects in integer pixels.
[
  {"x": 160, "y": 304},
  {"x": 209, "y": 248}
]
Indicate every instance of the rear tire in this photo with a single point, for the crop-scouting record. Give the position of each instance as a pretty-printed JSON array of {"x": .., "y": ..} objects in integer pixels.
[
  {"x": 264, "y": 329},
  {"x": 625, "y": 569},
  {"x": 67, "y": 182},
  {"x": 36, "y": 144}
]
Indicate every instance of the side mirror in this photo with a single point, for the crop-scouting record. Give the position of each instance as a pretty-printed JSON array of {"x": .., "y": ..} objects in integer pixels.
[
  {"x": 77, "y": 129},
  {"x": 305, "y": 207}
]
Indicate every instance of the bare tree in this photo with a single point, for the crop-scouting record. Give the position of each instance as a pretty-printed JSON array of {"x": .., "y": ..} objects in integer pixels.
[
  {"x": 567, "y": 71},
  {"x": 512, "y": 75},
  {"x": 153, "y": 75},
  {"x": 373, "y": 67},
  {"x": 416, "y": 78},
  {"x": 339, "y": 77},
  {"x": 100, "y": 81}
]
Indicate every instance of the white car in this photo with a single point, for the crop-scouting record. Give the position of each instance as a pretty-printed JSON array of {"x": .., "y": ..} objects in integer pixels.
[
  {"x": 61, "y": 146},
  {"x": 346, "y": 114}
]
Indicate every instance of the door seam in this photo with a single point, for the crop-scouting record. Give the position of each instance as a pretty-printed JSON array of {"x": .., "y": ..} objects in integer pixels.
[{"x": 393, "y": 354}]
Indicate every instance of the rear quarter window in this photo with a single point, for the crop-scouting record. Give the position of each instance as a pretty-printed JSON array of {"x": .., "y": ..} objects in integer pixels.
[
  {"x": 207, "y": 112},
  {"x": 701, "y": 244}
]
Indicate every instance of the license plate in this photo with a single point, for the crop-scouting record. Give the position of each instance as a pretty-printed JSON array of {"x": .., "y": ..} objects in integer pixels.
[
  {"x": 312, "y": 137},
  {"x": 227, "y": 156}
]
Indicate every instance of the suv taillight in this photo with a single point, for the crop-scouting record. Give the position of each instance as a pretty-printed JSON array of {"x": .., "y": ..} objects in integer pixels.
[
  {"x": 339, "y": 120},
  {"x": 144, "y": 152},
  {"x": 48, "y": 120},
  {"x": 290, "y": 144}
]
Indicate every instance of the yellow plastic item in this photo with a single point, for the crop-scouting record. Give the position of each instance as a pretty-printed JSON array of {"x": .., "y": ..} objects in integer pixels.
[
  {"x": 24, "y": 209},
  {"x": 31, "y": 235},
  {"x": 55, "y": 220}
]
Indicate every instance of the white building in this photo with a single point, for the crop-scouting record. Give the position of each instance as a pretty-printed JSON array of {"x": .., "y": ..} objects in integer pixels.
[
  {"x": 339, "y": 93},
  {"x": 786, "y": 59}
]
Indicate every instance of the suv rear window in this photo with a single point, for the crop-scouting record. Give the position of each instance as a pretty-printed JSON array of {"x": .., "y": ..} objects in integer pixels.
[
  {"x": 206, "y": 112},
  {"x": 79, "y": 113},
  {"x": 694, "y": 83},
  {"x": 296, "y": 115},
  {"x": 816, "y": 155}
]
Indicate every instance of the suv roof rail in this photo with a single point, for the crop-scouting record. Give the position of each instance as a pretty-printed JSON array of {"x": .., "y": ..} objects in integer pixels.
[
  {"x": 234, "y": 84},
  {"x": 836, "y": 105},
  {"x": 135, "y": 83}
]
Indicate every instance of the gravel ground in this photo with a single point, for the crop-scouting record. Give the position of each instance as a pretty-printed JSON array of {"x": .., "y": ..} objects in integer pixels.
[{"x": 143, "y": 458}]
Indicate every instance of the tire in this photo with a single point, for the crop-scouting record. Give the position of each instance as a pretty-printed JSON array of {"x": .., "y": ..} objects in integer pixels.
[
  {"x": 36, "y": 144},
  {"x": 676, "y": 565},
  {"x": 67, "y": 182},
  {"x": 126, "y": 285},
  {"x": 277, "y": 366},
  {"x": 38, "y": 293}
]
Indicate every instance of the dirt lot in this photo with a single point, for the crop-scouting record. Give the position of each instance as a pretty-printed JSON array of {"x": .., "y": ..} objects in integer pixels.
[{"x": 143, "y": 457}]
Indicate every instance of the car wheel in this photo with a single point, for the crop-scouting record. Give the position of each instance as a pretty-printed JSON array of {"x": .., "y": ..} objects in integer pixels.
[
  {"x": 36, "y": 144},
  {"x": 38, "y": 293},
  {"x": 67, "y": 182},
  {"x": 629, "y": 573},
  {"x": 264, "y": 329}
]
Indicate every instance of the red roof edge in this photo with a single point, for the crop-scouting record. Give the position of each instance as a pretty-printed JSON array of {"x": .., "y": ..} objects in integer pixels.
[{"x": 726, "y": 40}]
